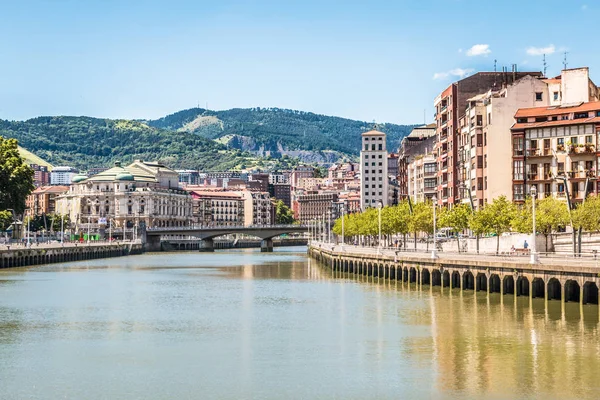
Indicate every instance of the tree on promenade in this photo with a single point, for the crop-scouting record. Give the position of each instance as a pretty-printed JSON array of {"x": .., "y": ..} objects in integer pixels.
[
  {"x": 495, "y": 217},
  {"x": 421, "y": 220},
  {"x": 455, "y": 218},
  {"x": 16, "y": 177},
  {"x": 400, "y": 218},
  {"x": 550, "y": 215},
  {"x": 587, "y": 215},
  {"x": 6, "y": 218}
]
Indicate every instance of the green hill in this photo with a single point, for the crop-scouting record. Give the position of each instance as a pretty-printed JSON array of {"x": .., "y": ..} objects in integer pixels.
[
  {"x": 277, "y": 131},
  {"x": 197, "y": 139},
  {"x": 85, "y": 142},
  {"x": 31, "y": 158}
]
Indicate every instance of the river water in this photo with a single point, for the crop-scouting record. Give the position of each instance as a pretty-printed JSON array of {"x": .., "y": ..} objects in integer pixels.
[{"x": 246, "y": 325}]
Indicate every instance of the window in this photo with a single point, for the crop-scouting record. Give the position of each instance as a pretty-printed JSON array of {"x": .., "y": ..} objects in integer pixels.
[
  {"x": 479, "y": 161},
  {"x": 366, "y": 147},
  {"x": 574, "y": 140},
  {"x": 485, "y": 182},
  {"x": 366, "y": 156},
  {"x": 518, "y": 170},
  {"x": 380, "y": 146},
  {"x": 430, "y": 183},
  {"x": 561, "y": 167},
  {"x": 485, "y": 161},
  {"x": 546, "y": 144},
  {"x": 547, "y": 188},
  {"x": 588, "y": 139},
  {"x": 373, "y": 163},
  {"x": 380, "y": 164},
  {"x": 373, "y": 146},
  {"x": 489, "y": 118},
  {"x": 518, "y": 146},
  {"x": 366, "y": 164},
  {"x": 518, "y": 192},
  {"x": 380, "y": 156},
  {"x": 479, "y": 120},
  {"x": 485, "y": 138},
  {"x": 538, "y": 96},
  {"x": 479, "y": 183},
  {"x": 366, "y": 186},
  {"x": 555, "y": 96}
]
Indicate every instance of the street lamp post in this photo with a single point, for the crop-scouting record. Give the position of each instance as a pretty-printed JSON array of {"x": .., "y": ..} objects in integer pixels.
[
  {"x": 329, "y": 226},
  {"x": 533, "y": 259},
  {"x": 342, "y": 212},
  {"x": 379, "y": 207},
  {"x": 434, "y": 251}
]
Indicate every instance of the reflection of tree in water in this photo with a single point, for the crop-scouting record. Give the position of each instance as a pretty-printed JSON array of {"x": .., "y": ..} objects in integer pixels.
[
  {"x": 11, "y": 320},
  {"x": 512, "y": 349},
  {"x": 277, "y": 270}
]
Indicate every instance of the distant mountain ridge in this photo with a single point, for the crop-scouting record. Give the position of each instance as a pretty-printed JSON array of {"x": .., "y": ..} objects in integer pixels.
[
  {"x": 277, "y": 132},
  {"x": 198, "y": 139}
]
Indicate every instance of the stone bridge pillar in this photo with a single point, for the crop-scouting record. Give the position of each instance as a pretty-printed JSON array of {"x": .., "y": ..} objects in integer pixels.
[
  {"x": 152, "y": 243},
  {"x": 207, "y": 245},
  {"x": 266, "y": 245}
]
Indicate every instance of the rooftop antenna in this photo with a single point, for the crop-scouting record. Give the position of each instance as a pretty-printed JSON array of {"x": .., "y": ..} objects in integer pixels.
[
  {"x": 565, "y": 61},
  {"x": 545, "y": 65}
]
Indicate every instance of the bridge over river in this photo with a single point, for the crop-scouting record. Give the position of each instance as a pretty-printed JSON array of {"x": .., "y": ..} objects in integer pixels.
[{"x": 152, "y": 237}]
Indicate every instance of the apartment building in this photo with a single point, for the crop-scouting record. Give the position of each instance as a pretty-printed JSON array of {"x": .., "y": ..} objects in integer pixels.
[
  {"x": 62, "y": 175},
  {"x": 43, "y": 200},
  {"x": 422, "y": 178},
  {"x": 450, "y": 106},
  {"x": 300, "y": 172},
  {"x": 421, "y": 140},
  {"x": 374, "y": 170},
  {"x": 555, "y": 149},
  {"x": 484, "y": 140},
  {"x": 316, "y": 205},
  {"x": 215, "y": 208},
  {"x": 41, "y": 175}
]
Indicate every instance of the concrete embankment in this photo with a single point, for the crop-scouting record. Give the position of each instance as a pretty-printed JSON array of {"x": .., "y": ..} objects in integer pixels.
[
  {"x": 566, "y": 280},
  {"x": 36, "y": 255}
]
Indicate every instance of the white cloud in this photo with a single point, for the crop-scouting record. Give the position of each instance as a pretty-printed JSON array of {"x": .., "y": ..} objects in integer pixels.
[
  {"x": 479, "y": 50},
  {"x": 460, "y": 72},
  {"x": 538, "y": 51}
]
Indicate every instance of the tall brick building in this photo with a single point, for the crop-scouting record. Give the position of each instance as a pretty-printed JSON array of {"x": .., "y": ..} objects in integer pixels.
[{"x": 450, "y": 106}]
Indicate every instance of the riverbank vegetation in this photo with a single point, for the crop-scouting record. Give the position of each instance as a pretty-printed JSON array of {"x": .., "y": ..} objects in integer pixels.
[{"x": 494, "y": 219}]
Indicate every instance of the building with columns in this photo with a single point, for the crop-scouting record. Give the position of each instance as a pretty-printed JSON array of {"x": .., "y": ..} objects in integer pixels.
[
  {"x": 374, "y": 170},
  {"x": 124, "y": 197}
]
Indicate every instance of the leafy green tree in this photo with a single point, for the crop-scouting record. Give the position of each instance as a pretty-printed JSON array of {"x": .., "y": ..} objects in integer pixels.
[
  {"x": 6, "y": 219},
  {"x": 55, "y": 222},
  {"x": 16, "y": 177},
  {"x": 421, "y": 220},
  {"x": 587, "y": 215},
  {"x": 495, "y": 217},
  {"x": 283, "y": 214},
  {"x": 455, "y": 218},
  {"x": 550, "y": 215}
]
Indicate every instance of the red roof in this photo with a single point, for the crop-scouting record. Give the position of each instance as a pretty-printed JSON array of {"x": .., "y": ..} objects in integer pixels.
[
  {"x": 545, "y": 124},
  {"x": 556, "y": 110}
]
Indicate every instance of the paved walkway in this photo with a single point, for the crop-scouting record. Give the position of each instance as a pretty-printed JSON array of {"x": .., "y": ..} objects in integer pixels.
[{"x": 587, "y": 260}]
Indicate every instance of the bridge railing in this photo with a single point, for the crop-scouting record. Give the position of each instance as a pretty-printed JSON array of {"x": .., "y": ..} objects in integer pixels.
[{"x": 225, "y": 227}]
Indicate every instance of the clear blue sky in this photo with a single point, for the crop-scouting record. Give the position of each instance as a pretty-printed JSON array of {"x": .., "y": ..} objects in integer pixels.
[{"x": 369, "y": 60}]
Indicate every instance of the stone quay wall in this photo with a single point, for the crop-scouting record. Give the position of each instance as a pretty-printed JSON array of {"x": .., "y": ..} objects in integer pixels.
[
  {"x": 38, "y": 255},
  {"x": 565, "y": 280}
]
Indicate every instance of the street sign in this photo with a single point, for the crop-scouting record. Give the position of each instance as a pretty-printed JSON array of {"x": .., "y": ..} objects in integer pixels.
[{"x": 101, "y": 221}]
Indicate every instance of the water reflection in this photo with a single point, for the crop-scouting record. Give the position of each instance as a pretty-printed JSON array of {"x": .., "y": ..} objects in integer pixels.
[
  {"x": 501, "y": 346},
  {"x": 241, "y": 324}
]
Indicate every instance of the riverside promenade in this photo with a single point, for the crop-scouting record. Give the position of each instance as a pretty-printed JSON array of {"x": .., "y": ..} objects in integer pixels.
[
  {"x": 560, "y": 277},
  {"x": 22, "y": 256}
]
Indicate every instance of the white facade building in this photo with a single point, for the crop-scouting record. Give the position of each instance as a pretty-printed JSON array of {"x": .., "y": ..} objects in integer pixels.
[
  {"x": 374, "y": 170},
  {"x": 62, "y": 175}
]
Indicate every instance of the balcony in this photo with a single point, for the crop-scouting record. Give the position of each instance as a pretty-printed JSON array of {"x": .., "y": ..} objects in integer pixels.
[
  {"x": 582, "y": 149},
  {"x": 539, "y": 152},
  {"x": 532, "y": 176}
]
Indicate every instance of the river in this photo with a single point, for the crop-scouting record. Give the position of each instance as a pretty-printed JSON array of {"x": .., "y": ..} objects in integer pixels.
[{"x": 250, "y": 325}]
